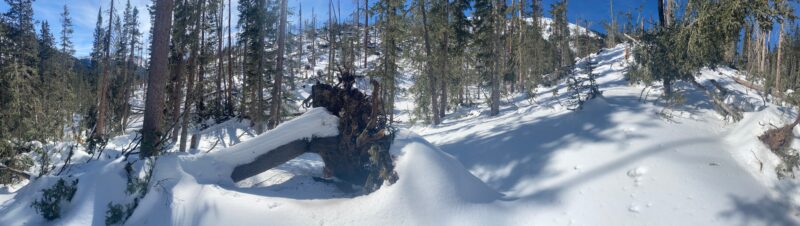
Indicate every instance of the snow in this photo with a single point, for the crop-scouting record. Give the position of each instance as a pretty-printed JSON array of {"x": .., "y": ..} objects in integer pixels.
[{"x": 624, "y": 159}]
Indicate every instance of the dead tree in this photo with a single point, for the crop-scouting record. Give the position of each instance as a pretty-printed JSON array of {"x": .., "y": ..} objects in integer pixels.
[{"x": 359, "y": 155}]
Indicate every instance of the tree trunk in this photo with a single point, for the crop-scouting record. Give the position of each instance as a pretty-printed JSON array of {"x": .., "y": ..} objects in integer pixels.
[
  {"x": 445, "y": 62},
  {"x": 176, "y": 94},
  {"x": 190, "y": 86},
  {"x": 661, "y": 14},
  {"x": 778, "y": 65},
  {"x": 428, "y": 66},
  {"x": 102, "y": 96},
  {"x": 495, "y": 81},
  {"x": 277, "y": 97},
  {"x": 331, "y": 41},
  {"x": 199, "y": 92},
  {"x": 366, "y": 32},
  {"x": 154, "y": 103},
  {"x": 187, "y": 105},
  {"x": 218, "y": 106},
  {"x": 229, "y": 101}
]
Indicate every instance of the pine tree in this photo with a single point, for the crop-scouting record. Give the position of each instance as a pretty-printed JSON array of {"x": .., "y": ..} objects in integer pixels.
[
  {"x": 253, "y": 23},
  {"x": 390, "y": 24},
  {"x": 66, "y": 33},
  {"x": 484, "y": 35},
  {"x": 561, "y": 37}
]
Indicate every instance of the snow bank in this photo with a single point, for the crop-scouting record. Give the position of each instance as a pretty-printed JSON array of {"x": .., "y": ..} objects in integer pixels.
[{"x": 434, "y": 188}]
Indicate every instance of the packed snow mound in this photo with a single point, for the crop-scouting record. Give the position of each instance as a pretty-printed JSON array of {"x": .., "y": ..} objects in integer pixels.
[{"x": 431, "y": 184}]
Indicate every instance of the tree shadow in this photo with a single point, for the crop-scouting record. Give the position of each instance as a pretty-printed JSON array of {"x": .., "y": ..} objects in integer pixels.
[
  {"x": 551, "y": 194},
  {"x": 298, "y": 178},
  {"x": 768, "y": 210},
  {"x": 511, "y": 151}
]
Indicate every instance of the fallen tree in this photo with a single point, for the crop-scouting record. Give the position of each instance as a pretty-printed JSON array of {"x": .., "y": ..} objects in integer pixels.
[
  {"x": 723, "y": 108},
  {"x": 359, "y": 155}
]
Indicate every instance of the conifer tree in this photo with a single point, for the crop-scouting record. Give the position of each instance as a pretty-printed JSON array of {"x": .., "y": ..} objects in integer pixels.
[{"x": 66, "y": 32}]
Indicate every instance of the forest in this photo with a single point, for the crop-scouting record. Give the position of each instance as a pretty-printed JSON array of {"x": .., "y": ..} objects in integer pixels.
[{"x": 227, "y": 95}]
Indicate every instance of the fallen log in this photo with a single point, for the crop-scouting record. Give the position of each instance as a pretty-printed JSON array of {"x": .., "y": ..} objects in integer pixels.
[
  {"x": 725, "y": 109},
  {"x": 282, "y": 154},
  {"x": 755, "y": 87}
]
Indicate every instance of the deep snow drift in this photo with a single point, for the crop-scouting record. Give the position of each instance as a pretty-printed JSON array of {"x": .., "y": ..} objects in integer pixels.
[{"x": 626, "y": 158}]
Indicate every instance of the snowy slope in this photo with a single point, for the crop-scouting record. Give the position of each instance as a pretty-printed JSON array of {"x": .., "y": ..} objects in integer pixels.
[{"x": 620, "y": 161}]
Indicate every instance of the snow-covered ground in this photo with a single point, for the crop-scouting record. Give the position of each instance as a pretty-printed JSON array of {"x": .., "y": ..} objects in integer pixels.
[{"x": 624, "y": 159}]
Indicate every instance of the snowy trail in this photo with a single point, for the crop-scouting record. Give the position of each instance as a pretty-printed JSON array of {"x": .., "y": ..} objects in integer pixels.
[{"x": 616, "y": 162}]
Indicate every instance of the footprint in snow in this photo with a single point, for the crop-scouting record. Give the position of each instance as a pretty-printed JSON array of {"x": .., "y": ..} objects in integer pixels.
[{"x": 636, "y": 174}]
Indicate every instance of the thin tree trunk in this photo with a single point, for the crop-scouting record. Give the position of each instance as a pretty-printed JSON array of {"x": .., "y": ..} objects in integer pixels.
[
  {"x": 445, "y": 62},
  {"x": 302, "y": 41},
  {"x": 522, "y": 46},
  {"x": 366, "y": 32},
  {"x": 428, "y": 66},
  {"x": 176, "y": 94},
  {"x": 154, "y": 103},
  {"x": 778, "y": 65},
  {"x": 102, "y": 96},
  {"x": 331, "y": 41},
  {"x": 218, "y": 102},
  {"x": 277, "y": 97},
  {"x": 229, "y": 93},
  {"x": 187, "y": 105},
  {"x": 199, "y": 92},
  {"x": 661, "y": 14}
]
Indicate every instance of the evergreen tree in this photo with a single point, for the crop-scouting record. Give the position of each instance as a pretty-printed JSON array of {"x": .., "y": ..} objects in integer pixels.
[
  {"x": 390, "y": 24},
  {"x": 66, "y": 33},
  {"x": 561, "y": 38},
  {"x": 253, "y": 23}
]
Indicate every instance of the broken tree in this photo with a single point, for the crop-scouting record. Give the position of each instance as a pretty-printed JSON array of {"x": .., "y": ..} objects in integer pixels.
[{"x": 359, "y": 155}]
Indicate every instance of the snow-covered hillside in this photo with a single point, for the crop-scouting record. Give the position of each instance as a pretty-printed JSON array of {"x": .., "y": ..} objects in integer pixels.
[
  {"x": 574, "y": 29},
  {"x": 624, "y": 159}
]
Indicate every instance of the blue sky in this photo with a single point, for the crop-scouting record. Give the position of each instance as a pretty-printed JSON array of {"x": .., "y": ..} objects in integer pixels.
[{"x": 84, "y": 13}]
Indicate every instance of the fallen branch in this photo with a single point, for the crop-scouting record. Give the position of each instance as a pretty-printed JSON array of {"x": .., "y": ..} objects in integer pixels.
[
  {"x": 757, "y": 88},
  {"x": 17, "y": 172}
]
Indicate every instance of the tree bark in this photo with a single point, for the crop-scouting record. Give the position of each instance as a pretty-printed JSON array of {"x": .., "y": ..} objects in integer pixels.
[{"x": 154, "y": 103}]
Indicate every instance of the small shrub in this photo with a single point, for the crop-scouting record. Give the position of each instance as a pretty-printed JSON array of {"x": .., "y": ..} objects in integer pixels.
[
  {"x": 136, "y": 188},
  {"x": 49, "y": 206}
]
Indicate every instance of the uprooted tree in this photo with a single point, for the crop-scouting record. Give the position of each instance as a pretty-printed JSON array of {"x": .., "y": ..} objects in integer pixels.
[{"x": 358, "y": 156}]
